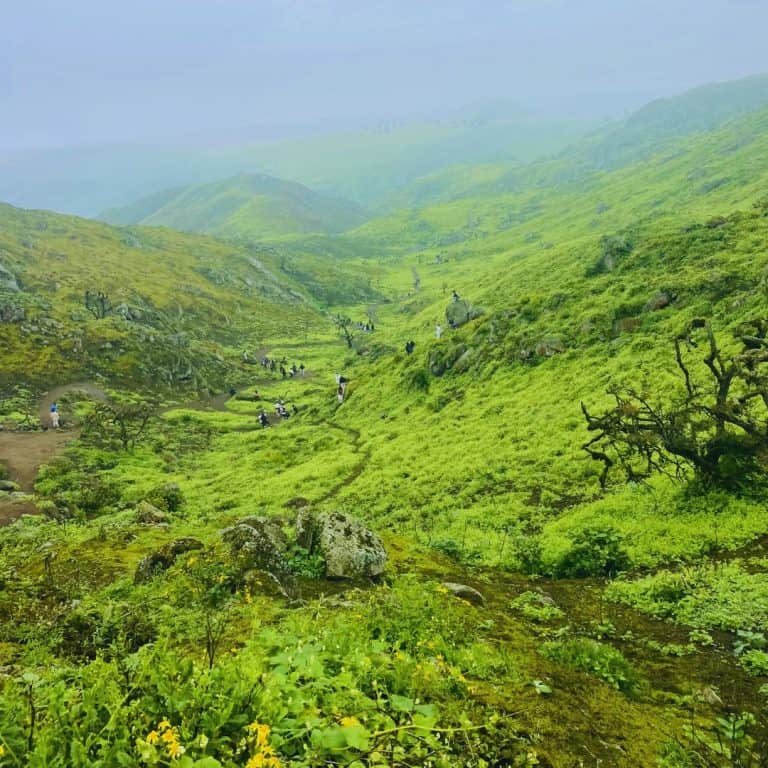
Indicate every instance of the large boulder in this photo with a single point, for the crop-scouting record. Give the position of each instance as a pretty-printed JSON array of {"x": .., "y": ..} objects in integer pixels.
[
  {"x": 157, "y": 562},
  {"x": 350, "y": 550},
  {"x": 460, "y": 312},
  {"x": 8, "y": 485},
  {"x": 259, "y": 543}
]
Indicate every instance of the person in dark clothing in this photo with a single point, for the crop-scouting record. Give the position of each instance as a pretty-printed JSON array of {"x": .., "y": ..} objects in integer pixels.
[
  {"x": 283, "y": 372},
  {"x": 455, "y": 296},
  {"x": 301, "y": 369},
  {"x": 409, "y": 347},
  {"x": 264, "y": 419}
]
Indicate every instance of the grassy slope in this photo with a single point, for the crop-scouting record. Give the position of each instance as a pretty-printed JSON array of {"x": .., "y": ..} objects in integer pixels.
[
  {"x": 485, "y": 465},
  {"x": 247, "y": 206},
  {"x": 191, "y": 299},
  {"x": 651, "y": 131}
]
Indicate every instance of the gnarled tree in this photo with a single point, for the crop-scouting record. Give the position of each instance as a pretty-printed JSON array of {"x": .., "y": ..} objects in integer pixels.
[
  {"x": 98, "y": 304},
  {"x": 716, "y": 426}
]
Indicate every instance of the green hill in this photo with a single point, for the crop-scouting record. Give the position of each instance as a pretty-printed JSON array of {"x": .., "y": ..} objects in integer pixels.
[
  {"x": 176, "y": 305},
  {"x": 251, "y": 206},
  {"x": 619, "y": 624},
  {"x": 659, "y": 127}
]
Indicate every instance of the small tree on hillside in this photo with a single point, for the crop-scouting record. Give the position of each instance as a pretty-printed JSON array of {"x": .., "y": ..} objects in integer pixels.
[
  {"x": 119, "y": 424},
  {"x": 344, "y": 326},
  {"x": 717, "y": 425}
]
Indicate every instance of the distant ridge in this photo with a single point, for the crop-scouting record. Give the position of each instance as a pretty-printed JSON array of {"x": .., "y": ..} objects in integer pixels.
[{"x": 248, "y": 206}]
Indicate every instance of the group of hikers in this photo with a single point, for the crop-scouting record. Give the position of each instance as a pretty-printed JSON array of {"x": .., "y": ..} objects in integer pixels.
[
  {"x": 281, "y": 411},
  {"x": 273, "y": 365},
  {"x": 366, "y": 327}
]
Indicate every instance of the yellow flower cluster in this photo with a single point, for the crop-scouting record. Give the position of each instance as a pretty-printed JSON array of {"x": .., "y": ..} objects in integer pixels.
[
  {"x": 168, "y": 737},
  {"x": 262, "y": 753}
]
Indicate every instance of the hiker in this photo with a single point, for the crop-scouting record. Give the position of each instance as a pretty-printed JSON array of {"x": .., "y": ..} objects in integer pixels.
[
  {"x": 256, "y": 396},
  {"x": 283, "y": 372},
  {"x": 295, "y": 409},
  {"x": 278, "y": 407},
  {"x": 54, "y": 416},
  {"x": 264, "y": 419},
  {"x": 272, "y": 366},
  {"x": 232, "y": 391},
  {"x": 455, "y": 296},
  {"x": 301, "y": 370},
  {"x": 438, "y": 330},
  {"x": 409, "y": 347},
  {"x": 342, "y": 382}
]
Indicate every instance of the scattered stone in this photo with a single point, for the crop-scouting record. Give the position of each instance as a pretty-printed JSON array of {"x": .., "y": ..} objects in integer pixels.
[
  {"x": 470, "y": 594},
  {"x": 350, "y": 550},
  {"x": 147, "y": 514},
  {"x": 9, "y": 486},
  {"x": 260, "y": 542},
  {"x": 659, "y": 300},
  {"x": 157, "y": 562}
]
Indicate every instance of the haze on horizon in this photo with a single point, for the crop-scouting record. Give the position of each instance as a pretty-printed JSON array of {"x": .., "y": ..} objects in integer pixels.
[{"x": 88, "y": 72}]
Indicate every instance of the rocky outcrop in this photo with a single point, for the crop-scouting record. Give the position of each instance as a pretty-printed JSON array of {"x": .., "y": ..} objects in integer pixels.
[
  {"x": 350, "y": 550},
  {"x": 157, "y": 562},
  {"x": 259, "y": 543}
]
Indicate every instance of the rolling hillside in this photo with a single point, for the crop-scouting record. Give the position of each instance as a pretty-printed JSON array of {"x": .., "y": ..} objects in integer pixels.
[
  {"x": 659, "y": 127},
  {"x": 175, "y": 305},
  {"x": 252, "y": 207}
]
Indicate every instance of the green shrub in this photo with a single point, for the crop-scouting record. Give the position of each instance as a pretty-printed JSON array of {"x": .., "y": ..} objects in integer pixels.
[
  {"x": 597, "y": 551},
  {"x": 603, "y": 661}
]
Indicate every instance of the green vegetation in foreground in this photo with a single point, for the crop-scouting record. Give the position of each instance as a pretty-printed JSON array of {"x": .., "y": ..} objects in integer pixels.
[{"x": 621, "y": 627}]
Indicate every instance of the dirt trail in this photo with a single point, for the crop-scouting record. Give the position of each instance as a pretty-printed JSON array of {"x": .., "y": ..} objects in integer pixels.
[{"x": 23, "y": 453}]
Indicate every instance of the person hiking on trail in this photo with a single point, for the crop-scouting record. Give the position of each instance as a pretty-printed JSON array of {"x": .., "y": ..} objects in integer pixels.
[
  {"x": 54, "y": 416},
  {"x": 301, "y": 369},
  {"x": 455, "y": 296},
  {"x": 341, "y": 391},
  {"x": 438, "y": 330},
  {"x": 409, "y": 347},
  {"x": 256, "y": 396},
  {"x": 295, "y": 409},
  {"x": 283, "y": 372},
  {"x": 232, "y": 391},
  {"x": 272, "y": 365},
  {"x": 264, "y": 419}
]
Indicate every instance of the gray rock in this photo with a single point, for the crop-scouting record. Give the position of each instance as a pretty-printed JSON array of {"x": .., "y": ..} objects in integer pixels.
[
  {"x": 658, "y": 301},
  {"x": 259, "y": 542},
  {"x": 148, "y": 514},
  {"x": 470, "y": 594},
  {"x": 157, "y": 562},
  {"x": 350, "y": 550},
  {"x": 8, "y": 485}
]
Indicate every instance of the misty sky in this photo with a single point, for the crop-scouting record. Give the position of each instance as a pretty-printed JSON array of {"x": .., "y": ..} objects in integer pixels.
[{"x": 102, "y": 71}]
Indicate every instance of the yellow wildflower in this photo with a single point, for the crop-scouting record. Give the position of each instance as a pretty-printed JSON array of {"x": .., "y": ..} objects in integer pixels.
[
  {"x": 348, "y": 722},
  {"x": 152, "y": 737},
  {"x": 175, "y": 750},
  {"x": 260, "y": 732},
  {"x": 164, "y": 725},
  {"x": 168, "y": 737},
  {"x": 2, "y": 750}
]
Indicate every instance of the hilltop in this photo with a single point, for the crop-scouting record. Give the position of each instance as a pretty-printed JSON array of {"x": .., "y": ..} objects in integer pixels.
[{"x": 249, "y": 206}]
